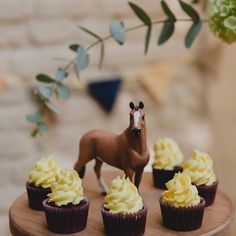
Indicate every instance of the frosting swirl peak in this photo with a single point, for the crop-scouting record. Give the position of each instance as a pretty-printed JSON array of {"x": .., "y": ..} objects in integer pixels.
[
  {"x": 200, "y": 168},
  {"x": 180, "y": 192},
  {"x": 123, "y": 197},
  {"x": 167, "y": 154},
  {"x": 44, "y": 172},
  {"x": 67, "y": 188}
]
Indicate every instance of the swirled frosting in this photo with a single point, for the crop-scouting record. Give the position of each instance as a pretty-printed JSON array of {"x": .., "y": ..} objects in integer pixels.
[
  {"x": 67, "y": 188},
  {"x": 167, "y": 154},
  {"x": 123, "y": 197},
  {"x": 180, "y": 192},
  {"x": 44, "y": 172},
  {"x": 200, "y": 168}
]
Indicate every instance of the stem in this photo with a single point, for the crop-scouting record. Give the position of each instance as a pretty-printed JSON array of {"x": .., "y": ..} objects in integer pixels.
[{"x": 156, "y": 22}]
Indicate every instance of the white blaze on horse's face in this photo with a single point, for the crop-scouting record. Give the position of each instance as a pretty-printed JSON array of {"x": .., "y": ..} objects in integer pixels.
[{"x": 136, "y": 118}]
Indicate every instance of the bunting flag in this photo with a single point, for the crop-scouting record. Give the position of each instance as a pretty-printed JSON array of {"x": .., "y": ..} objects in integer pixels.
[
  {"x": 156, "y": 80},
  {"x": 105, "y": 92}
]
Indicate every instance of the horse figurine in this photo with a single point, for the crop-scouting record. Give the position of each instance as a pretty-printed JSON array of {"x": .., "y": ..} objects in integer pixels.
[{"x": 127, "y": 151}]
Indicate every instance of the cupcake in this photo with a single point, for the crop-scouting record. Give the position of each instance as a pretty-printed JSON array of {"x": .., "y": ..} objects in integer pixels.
[
  {"x": 66, "y": 209},
  {"x": 167, "y": 160},
  {"x": 40, "y": 180},
  {"x": 200, "y": 169},
  {"x": 182, "y": 208},
  {"x": 123, "y": 211}
]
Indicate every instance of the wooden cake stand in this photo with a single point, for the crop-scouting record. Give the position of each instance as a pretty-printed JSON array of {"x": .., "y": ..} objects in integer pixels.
[{"x": 216, "y": 221}]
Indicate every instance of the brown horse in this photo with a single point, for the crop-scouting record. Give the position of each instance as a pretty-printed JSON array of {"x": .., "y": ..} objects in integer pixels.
[{"x": 127, "y": 151}]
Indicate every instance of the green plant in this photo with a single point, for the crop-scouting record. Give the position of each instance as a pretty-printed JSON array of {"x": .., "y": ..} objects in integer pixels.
[
  {"x": 223, "y": 19},
  {"x": 54, "y": 87}
]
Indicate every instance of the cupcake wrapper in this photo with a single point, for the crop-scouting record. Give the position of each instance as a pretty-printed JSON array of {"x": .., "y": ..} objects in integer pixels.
[
  {"x": 208, "y": 192},
  {"x": 36, "y": 195},
  {"x": 182, "y": 218},
  {"x": 66, "y": 219},
  {"x": 132, "y": 224},
  {"x": 161, "y": 176}
]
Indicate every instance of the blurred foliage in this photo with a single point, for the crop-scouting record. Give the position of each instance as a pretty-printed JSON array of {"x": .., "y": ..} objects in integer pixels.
[{"x": 223, "y": 19}]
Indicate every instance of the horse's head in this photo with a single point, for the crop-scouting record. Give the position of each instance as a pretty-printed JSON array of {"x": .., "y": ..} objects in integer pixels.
[{"x": 137, "y": 117}]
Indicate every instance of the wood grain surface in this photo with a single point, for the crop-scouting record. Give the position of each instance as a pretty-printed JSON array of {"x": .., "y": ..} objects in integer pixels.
[{"x": 24, "y": 221}]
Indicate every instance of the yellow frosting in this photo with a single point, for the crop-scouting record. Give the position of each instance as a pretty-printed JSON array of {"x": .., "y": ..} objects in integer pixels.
[
  {"x": 167, "y": 154},
  {"x": 67, "y": 188},
  {"x": 200, "y": 168},
  {"x": 44, "y": 172},
  {"x": 123, "y": 197},
  {"x": 180, "y": 192}
]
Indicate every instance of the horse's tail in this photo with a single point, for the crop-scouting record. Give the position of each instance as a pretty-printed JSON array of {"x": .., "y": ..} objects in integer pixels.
[{"x": 82, "y": 172}]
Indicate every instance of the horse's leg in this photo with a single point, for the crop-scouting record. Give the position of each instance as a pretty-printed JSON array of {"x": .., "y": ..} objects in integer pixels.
[
  {"x": 138, "y": 177},
  {"x": 85, "y": 155},
  {"x": 129, "y": 173},
  {"x": 101, "y": 182},
  {"x": 79, "y": 166}
]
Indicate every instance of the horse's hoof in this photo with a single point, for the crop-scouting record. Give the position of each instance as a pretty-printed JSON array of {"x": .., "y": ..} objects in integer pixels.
[{"x": 104, "y": 193}]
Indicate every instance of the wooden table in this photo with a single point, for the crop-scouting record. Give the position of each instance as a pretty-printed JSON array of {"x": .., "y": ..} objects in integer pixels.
[{"x": 24, "y": 221}]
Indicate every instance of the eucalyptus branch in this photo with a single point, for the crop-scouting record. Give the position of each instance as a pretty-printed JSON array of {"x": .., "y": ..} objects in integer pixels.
[
  {"x": 56, "y": 88},
  {"x": 97, "y": 42}
]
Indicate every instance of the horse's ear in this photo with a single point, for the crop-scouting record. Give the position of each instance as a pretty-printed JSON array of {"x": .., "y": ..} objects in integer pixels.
[
  {"x": 141, "y": 105},
  {"x": 131, "y": 105}
]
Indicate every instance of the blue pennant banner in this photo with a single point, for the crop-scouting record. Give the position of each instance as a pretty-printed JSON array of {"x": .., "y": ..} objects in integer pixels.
[{"x": 105, "y": 92}]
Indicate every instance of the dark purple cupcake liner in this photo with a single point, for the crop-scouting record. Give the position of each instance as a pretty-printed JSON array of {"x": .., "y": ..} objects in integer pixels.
[
  {"x": 208, "y": 192},
  {"x": 117, "y": 224},
  {"x": 66, "y": 219},
  {"x": 162, "y": 176},
  {"x": 182, "y": 218},
  {"x": 36, "y": 195}
]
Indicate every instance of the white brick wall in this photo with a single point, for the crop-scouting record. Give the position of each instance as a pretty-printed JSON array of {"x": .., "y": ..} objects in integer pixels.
[
  {"x": 15, "y": 10},
  {"x": 51, "y": 31}
]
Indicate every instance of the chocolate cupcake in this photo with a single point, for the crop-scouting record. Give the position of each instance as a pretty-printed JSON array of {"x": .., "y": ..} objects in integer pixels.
[
  {"x": 200, "y": 169},
  {"x": 167, "y": 160},
  {"x": 40, "y": 181},
  {"x": 182, "y": 208},
  {"x": 123, "y": 211},
  {"x": 66, "y": 209}
]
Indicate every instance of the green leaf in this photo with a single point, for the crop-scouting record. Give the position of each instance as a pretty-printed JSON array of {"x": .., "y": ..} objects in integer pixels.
[
  {"x": 230, "y": 23},
  {"x": 42, "y": 126},
  {"x": 35, "y": 132},
  {"x": 101, "y": 55},
  {"x": 44, "y": 78},
  {"x": 60, "y": 75},
  {"x": 141, "y": 14},
  {"x": 192, "y": 33},
  {"x": 63, "y": 92},
  {"x": 82, "y": 58},
  {"x": 147, "y": 39},
  {"x": 76, "y": 71},
  {"x": 99, "y": 39},
  {"x": 167, "y": 11},
  {"x": 52, "y": 107},
  {"x": 74, "y": 47},
  {"x": 45, "y": 91},
  {"x": 189, "y": 10},
  {"x": 34, "y": 118},
  {"x": 166, "y": 32},
  {"x": 117, "y": 31},
  {"x": 90, "y": 32}
]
